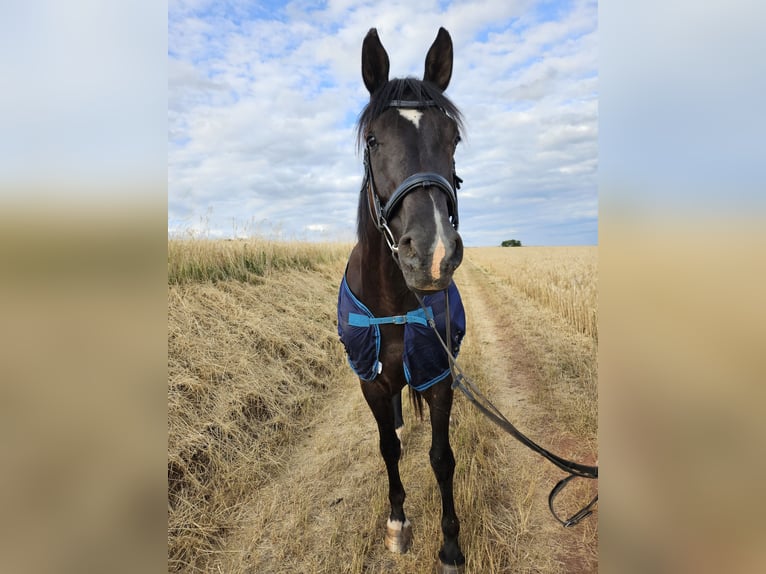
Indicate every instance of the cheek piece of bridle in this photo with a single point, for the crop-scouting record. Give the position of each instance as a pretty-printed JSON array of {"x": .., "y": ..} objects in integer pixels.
[
  {"x": 382, "y": 213},
  {"x": 381, "y": 216}
]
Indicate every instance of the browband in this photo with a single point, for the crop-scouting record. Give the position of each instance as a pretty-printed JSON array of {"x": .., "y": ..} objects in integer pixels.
[{"x": 412, "y": 104}]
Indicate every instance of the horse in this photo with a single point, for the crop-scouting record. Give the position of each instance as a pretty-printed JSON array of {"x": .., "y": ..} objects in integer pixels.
[{"x": 407, "y": 249}]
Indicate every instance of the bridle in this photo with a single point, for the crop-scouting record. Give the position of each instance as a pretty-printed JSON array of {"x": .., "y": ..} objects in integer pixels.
[{"x": 382, "y": 213}]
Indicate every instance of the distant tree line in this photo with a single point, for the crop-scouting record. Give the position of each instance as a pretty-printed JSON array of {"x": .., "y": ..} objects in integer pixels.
[{"x": 511, "y": 243}]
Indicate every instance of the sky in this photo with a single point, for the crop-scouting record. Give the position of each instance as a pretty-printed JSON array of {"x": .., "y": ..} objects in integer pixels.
[{"x": 263, "y": 98}]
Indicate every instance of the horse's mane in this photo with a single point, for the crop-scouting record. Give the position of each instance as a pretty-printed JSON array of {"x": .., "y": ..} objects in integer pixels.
[{"x": 410, "y": 89}]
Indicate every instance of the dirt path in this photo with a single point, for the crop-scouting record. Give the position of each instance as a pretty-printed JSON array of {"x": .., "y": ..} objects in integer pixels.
[
  {"x": 511, "y": 371},
  {"x": 326, "y": 511},
  {"x": 304, "y": 511}
]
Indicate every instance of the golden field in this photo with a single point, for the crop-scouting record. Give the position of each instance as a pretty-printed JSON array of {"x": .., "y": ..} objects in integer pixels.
[
  {"x": 563, "y": 279},
  {"x": 552, "y": 294},
  {"x": 273, "y": 461}
]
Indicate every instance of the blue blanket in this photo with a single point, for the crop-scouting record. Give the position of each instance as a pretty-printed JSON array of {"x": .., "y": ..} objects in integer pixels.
[{"x": 425, "y": 362}]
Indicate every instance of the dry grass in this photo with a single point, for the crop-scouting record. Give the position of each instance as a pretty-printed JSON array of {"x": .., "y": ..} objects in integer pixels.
[
  {"x": 196, "y": 260},
  {"x": 273, "y": 461},
  {"x": 562, "y": 279},
  {"x": 245, "y": 363}
]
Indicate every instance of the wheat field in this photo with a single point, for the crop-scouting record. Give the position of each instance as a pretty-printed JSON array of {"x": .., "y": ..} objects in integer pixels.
[
  {"x": 554, "y": 291},
  {"x": 562, "y": 279},
  {"x": 272, "y": 454}
]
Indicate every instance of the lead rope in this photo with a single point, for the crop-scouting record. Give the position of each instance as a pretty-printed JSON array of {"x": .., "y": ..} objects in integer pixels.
[{"x": 462, "y": 382}]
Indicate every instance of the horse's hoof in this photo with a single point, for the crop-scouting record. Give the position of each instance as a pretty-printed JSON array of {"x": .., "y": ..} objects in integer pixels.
[
  {"x": 398, "y": 536},
  {"x": 442, "y": 568}
]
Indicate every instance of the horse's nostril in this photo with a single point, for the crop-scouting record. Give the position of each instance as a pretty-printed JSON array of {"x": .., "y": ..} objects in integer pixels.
[{"x": 405, "y": 243}]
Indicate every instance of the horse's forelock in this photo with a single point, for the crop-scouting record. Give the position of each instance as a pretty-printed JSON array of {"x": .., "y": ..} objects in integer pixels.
[{"x": 403, "y": 89}]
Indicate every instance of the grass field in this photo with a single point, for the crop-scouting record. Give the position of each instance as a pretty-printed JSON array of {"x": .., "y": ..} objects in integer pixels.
[
  {"x": 553, "y": 292},
  {"x": 272, "y": 453},
  {"x": 249, "y": 350},
  {"x": 563, "y": 279}
]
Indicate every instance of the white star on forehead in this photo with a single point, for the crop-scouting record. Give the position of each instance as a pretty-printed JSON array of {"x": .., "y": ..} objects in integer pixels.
[{"x": 412, "y": 115}]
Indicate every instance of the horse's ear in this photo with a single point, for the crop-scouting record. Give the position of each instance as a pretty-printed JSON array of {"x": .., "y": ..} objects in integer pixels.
[
  {"x": 439, "y": 61},
  {"x": 374, "y": 62}
]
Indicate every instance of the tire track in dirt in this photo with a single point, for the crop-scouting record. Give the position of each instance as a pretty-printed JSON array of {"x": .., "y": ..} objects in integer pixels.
[
  {"x": 303, "y": 512},
  {"x": 510, "y": 370},
  {"x": 326, "y": 511}
]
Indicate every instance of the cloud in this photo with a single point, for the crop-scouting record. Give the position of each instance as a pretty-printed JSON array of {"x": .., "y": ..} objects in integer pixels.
[{"x": 262, "y": 104}]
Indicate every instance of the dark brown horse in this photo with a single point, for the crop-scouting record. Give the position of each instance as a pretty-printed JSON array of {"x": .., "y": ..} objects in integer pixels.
[{"x": 407, "y": 244}]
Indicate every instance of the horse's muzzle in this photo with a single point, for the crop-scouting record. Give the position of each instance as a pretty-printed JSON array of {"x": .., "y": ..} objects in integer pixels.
[{"x": 428, "y": 263}]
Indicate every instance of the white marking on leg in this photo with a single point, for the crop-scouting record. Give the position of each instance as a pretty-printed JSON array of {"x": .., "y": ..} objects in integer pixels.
[
  {"x": 412, "y": 115},
  {"x": 397, "y": 524},
  {"x": 398, "y": 536},
  {"x": 439, "y": 250}
]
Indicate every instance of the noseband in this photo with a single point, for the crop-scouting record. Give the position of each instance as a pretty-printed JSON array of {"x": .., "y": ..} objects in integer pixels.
[{"x": 382, "y": 213}]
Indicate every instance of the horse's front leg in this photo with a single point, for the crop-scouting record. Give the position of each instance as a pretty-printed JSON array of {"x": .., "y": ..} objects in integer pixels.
[
  {"x": 398, "y": 529},
  {"x": 439, "y": 398}
]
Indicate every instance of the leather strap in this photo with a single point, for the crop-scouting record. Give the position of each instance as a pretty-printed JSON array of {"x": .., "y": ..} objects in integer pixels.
[{"x": 423, "y": 179}]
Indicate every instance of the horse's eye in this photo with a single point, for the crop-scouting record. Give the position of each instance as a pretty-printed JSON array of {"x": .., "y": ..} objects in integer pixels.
[
  {"x": 371, "y": 141},
  {"x": 457, "y": 140}
]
